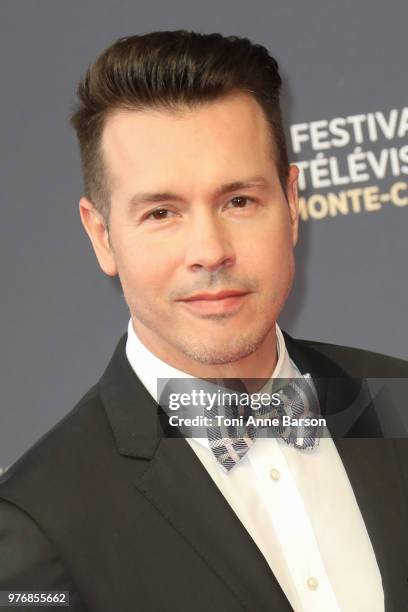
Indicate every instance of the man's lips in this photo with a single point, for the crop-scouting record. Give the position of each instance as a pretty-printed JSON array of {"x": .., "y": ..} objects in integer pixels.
[
  {"x": 223, "y": 303},
  {"x": 220, "y": 295}
]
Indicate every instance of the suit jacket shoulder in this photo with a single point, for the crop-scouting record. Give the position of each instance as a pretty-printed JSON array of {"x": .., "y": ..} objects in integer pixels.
[
  {"x": 35, "y": 493},
  {"x": 29, "y": 561},
  {"x": 358, "y": 362}
]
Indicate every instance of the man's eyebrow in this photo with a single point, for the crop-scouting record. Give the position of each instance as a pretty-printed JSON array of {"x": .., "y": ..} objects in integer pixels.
[{"x": 167, "y": 196}]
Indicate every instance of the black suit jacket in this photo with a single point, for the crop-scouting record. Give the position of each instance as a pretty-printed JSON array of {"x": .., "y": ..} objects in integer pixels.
[{"x": 126, "y": 519}]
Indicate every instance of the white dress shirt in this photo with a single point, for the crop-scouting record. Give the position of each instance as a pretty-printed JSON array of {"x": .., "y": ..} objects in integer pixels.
[{"x": 297, "y": 505}]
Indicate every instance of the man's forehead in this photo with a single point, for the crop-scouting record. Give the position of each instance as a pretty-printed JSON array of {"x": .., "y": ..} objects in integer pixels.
[{"x": 230, "y": 132}]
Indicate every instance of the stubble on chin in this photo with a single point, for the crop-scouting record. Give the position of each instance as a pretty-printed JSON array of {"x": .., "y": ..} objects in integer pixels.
[{"x": 223, "y": 352}]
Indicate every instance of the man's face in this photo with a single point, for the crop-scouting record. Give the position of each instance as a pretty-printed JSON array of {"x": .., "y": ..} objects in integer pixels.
[{"x": 201, "y": 232}]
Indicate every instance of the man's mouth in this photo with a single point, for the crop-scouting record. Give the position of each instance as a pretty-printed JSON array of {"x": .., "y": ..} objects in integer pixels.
[
  {"x": 219, "y": 295},
  {"x": 223, "y": 302}
]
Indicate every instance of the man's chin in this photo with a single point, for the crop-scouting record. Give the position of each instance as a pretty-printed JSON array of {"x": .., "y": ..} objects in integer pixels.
[{"x": 223, "y": 353}]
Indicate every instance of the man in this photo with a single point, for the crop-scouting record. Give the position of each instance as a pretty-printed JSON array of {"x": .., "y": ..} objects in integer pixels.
[{"x": 191, "y": 201}]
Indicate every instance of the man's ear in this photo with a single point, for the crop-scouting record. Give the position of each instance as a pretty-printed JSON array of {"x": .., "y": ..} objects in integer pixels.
[
  {"x": 97, "y": 231},
  {"x": 293, "y": 200}
]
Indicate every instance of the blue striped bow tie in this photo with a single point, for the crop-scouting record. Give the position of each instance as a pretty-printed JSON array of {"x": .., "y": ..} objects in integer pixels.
[{"x": 299, "y": 404}]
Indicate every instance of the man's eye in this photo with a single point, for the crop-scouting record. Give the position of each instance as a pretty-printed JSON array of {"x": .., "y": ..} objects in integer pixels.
[
  {"x": 158, "y": 214},
  {"x": 241, "y": 201}
]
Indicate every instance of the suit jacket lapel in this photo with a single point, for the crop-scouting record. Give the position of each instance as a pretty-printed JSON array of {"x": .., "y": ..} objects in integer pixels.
[
  {"x": 180, "y": 488},
  {"x": 174, "y": 481},
  {"x": 345, "y": 401}
]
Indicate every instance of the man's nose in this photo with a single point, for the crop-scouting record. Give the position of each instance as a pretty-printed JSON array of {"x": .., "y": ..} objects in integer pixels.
[{"x": 208, "y": 244}]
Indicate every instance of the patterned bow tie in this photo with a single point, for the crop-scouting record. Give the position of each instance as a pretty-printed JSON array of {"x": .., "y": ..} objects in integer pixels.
[{"x": 296, "y": 415}]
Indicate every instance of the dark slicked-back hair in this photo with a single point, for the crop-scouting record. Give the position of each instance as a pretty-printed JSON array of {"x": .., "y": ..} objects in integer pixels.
[{"x": 171, "y": 71}]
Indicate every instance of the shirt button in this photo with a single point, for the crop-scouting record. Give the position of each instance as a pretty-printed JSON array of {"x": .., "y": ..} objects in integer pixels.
[
  {"x": 312, "y": 583},
  {"x": 274, "y": 474}
]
